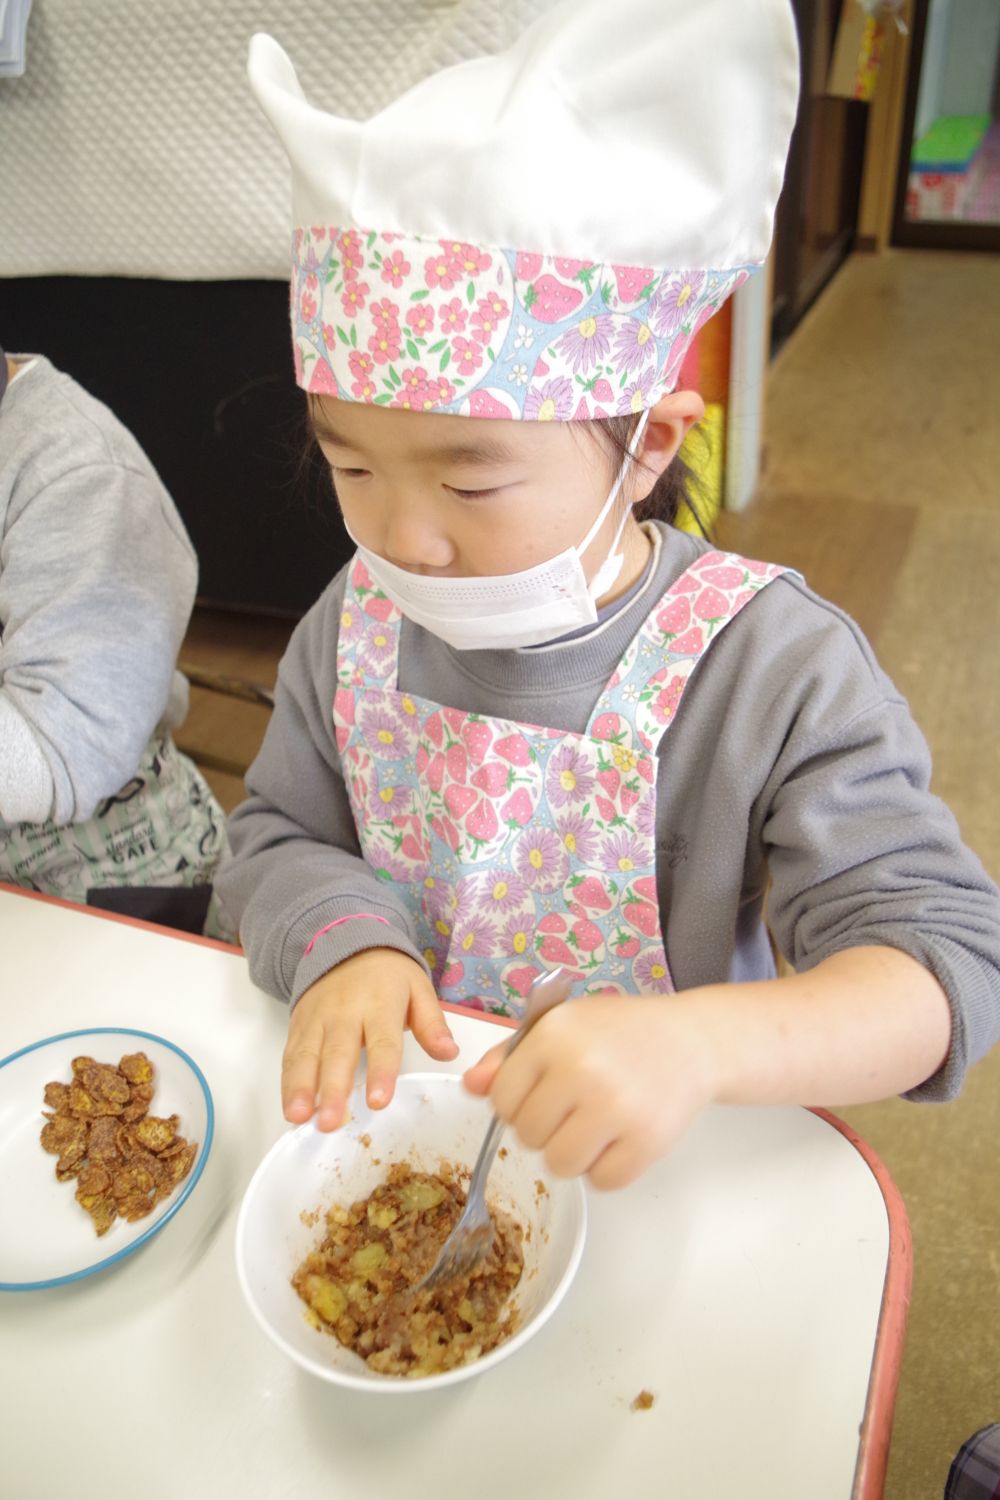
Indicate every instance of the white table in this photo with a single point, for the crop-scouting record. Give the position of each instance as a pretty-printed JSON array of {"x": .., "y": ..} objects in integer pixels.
[{"x": 756, "y": 1282}]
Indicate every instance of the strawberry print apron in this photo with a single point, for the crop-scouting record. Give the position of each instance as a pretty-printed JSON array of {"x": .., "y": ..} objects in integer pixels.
[{"x": 516, "y": 847}]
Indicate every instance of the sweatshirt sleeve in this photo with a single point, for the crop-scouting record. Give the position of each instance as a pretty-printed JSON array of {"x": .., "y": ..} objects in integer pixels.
[
  {"x": 862, "y": 853},
  {"x": 296, "y": 863},
  {"x": 95, "y": 593}
]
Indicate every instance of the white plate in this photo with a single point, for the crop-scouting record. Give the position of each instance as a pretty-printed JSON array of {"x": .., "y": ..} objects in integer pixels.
[{"x": 47, "y": 1237}]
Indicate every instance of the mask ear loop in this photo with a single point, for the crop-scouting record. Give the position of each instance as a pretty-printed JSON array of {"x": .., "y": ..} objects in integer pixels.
[{"x": 604, "y": 578}]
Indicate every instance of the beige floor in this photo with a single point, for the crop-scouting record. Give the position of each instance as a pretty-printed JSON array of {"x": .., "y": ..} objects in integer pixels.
[{"x": 880, "y": 485}]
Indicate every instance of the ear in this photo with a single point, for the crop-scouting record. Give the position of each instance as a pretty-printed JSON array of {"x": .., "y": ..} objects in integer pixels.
[{"x": 668, "y": 424}]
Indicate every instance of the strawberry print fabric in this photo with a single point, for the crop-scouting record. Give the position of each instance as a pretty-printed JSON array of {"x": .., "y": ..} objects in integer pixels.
[
  {"x": 517, "y": 847},
  {"x": 439, "y": 325}
]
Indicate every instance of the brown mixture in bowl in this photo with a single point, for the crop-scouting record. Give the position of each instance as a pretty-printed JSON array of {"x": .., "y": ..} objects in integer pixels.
[{"x": 356, "y": 1282}]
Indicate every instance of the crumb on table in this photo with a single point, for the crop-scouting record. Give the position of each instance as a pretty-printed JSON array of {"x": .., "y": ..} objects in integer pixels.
[{"x": 643, "y": 1401}]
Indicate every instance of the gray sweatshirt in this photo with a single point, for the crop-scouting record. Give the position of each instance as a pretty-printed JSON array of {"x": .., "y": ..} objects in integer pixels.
[
  {"x": 97, "y": 581},
  {"x": 792, "y": 759}
]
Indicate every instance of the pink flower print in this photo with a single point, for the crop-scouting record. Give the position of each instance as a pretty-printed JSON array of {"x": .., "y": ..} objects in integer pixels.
[
  {"x": 552, "y": 401},
  {"x": 489, "y": 310},
  {"x": 387, "y": 733},
  {"x": 465, "y": 260},
  {"x": 414, "y": 378},
  {"x": 588, "y": 343},
  {"x": 540, "y": 859},
  {"x": 440, "y": 391},
  {"x": 517, "y": 935},
  {"x": 637, "y": 396},
  {"x": 351, "y": 257},
  {"x": 385, "y": 314},
  {"x": 568, "y": 777},
  {"x": 364, "y": 390},
  {"x": 361, "y": 365},
  {"x": 439, "y": 270},
  {"x": 421, "y": 318},
  {"x": 623, "y": 852},
  {"x": 453, "y": 316},
  {"x": 412, "y": 397},
  {"x": 663, "y": 705},
  {"x": 674, "y": 300},
  {"x": 634, "y": 346},
  {"x": 468, "y": 355},
  {"x": 650, "y": 972},
  {"x": 395, "y": 268},
  {"x": 308, "y": 306},
  {"x": 354, "y": 298},
  {"x": 578, "y": 836},
  {"x": 384, "y": 344},
  {"x": 329, "y": 335}
]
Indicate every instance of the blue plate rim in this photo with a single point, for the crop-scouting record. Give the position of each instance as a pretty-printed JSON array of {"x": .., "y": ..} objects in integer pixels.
[{"x": 183, "y": 1195}]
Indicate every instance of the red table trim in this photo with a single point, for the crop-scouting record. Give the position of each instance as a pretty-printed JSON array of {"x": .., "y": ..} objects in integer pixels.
[{"x": 876, "y": 1426}]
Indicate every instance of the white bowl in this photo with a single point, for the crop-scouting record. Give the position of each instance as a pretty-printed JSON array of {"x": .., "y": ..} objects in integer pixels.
[{"x": 431, "y": 1120}]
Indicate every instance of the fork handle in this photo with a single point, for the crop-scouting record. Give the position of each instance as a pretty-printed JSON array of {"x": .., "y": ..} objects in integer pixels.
[{"x": 548, "y": 992}]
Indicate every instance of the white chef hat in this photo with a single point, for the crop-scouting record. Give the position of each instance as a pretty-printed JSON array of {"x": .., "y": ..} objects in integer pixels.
[{"x": 540, "y": 233}]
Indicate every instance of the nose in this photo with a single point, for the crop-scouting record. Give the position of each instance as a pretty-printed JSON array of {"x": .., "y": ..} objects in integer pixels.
[{"x": 413, "y": 537}]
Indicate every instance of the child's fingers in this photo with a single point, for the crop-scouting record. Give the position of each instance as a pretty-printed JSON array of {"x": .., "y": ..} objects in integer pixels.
[
  {"x": 384, "y": 1045},
  {"x": 427, "y": 1021},
  {"x": 300, "y": 1074},
  {"x": 338, "y": 1065},
  {"x": 479, "y": 1078}
]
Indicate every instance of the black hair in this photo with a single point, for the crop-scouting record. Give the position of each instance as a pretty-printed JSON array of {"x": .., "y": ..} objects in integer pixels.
[{"x": 676, "y": 488}]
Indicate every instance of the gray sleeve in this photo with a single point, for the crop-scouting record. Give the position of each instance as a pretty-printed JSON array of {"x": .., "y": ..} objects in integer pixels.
[
  {"x": 95, "y": 595},
  {"x": 862, "y": 853},
  {"x": 296, "y": 862}
]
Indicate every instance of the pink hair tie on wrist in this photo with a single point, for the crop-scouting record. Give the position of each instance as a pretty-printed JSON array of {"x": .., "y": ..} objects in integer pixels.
[{"x": 358, "y": 916}]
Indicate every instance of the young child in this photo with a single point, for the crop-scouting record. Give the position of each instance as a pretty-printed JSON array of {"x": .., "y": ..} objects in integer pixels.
[
  {"x": 526, "y": 727},
  {"x": 97, "y": 580}
]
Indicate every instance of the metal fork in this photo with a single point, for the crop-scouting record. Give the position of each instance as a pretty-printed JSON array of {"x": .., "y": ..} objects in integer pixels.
[{"x": 472, "y": 1237}]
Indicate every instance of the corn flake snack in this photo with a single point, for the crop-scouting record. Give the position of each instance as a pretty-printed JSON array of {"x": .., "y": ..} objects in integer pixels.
[
  {"x": 124, "y": 1159},
  {"x": 356, "y": 1282}
]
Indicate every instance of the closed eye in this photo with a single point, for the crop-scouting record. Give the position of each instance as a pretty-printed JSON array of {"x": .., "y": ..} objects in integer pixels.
[{"x": 473, "y": 494}]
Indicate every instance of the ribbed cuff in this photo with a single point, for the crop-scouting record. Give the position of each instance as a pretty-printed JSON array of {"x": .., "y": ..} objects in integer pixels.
[{"x": 340, "y": 942}]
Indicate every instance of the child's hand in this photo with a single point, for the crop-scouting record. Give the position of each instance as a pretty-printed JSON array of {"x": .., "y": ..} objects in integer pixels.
[
  {"x": 604, "y": 1085},
  {"x": 368, "y": 1000}
]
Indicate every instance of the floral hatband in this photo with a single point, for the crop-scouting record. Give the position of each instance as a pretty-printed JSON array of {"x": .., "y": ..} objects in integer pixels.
[{"x": 444, "y": 326}]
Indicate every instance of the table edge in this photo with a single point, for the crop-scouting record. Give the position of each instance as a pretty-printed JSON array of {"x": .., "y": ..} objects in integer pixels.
[
  {"x": 113, "y": 916},
  {"x": 876, "y": 1424}
]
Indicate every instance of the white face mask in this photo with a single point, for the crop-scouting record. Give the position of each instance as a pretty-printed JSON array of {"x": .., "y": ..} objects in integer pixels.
[{"x": 512, "y": 609}]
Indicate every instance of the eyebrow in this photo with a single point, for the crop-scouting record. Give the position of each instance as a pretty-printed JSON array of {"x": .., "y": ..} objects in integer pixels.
[{"x": 483, "y": 451}]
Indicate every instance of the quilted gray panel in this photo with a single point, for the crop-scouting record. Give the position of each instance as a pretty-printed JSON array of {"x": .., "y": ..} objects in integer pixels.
[{"x": 132, "y": 145}]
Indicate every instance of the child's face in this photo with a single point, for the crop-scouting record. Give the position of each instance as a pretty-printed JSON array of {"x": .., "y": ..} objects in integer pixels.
[{"x": 465, "y": 497}]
